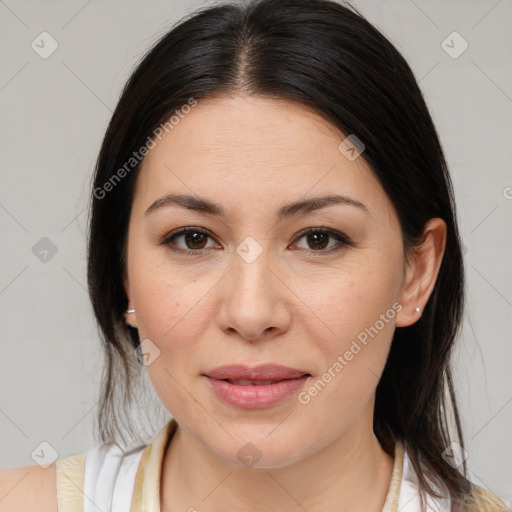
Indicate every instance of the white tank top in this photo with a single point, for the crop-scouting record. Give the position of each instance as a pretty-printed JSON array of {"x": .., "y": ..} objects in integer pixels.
[{"x": 107, "y": 480}]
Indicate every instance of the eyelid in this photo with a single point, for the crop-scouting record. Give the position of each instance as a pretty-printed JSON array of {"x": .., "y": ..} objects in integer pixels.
[
  {"x": 182, "y": 231},
  {"x": 343, "y": 240},
  {"x": 332, "y": 232}
]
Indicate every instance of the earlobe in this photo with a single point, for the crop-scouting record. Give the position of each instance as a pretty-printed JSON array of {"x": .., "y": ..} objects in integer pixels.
[{"x": 421, "y": 272}]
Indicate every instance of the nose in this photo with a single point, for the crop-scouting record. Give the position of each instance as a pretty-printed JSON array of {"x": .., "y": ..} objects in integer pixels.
[{"x": 255, "y": 301}]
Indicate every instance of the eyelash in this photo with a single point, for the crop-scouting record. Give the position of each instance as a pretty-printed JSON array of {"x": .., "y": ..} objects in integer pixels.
[{"x": 340, "y": 237}]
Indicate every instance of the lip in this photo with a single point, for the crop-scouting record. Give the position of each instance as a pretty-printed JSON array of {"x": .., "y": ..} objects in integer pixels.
[
  {"x": 260, "y": 372},
  {"x": 255, "y": 396}
]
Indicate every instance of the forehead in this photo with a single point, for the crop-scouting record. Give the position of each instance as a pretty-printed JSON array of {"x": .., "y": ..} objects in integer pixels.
[{"x": 252, "y": 149}]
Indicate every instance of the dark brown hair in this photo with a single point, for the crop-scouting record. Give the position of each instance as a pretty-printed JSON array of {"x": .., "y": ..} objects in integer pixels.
[{"x": 328, "y": 57}]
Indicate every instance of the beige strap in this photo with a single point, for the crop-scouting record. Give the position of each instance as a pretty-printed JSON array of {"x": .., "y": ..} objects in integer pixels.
[
  {"x": 70, "y": 483},
  {"x": 488, "y": 501},
  {"x": 391, "y": 503},
  {"x": 146, "y": 489}
]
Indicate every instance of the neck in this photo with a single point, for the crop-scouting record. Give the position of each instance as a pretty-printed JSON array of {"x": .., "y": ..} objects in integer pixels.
[{"x": 352, "y": 474}]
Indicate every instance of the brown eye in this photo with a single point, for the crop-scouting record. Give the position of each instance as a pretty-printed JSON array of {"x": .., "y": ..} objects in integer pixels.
[
  {"x": 193, "y": 240},
  {"x": 318, "y": 239}
]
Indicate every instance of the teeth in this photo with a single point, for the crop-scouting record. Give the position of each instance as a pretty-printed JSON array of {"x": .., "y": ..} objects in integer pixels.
[{"x": 242, "y": 382}]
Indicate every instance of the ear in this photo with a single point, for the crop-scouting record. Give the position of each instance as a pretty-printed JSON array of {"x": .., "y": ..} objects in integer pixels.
[
  {"x": 131, "y": 318},
  {"x": 421, "y": 272}
]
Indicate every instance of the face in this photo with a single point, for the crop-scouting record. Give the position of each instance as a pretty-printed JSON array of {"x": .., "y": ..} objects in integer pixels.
[{"x": 250, "y": 287}]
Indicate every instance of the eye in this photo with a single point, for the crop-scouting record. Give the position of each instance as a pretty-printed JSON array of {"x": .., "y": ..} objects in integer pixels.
[
  {"x": 196, "y": 239},
  {"x": 318, "y": 239},
  {"x": 193, "y": 238}
]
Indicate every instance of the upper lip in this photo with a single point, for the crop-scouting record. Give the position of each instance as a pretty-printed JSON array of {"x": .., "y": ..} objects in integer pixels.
[{"x": 261, "y": 372}]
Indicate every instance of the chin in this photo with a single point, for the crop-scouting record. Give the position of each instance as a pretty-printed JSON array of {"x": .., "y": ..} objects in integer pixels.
[{"x": 256, "y": 449}]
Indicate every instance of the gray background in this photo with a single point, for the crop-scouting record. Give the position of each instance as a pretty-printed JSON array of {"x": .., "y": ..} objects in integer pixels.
[{"x": 53, "y": 115}]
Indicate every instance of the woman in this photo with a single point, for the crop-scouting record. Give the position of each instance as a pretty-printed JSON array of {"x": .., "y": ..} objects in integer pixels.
[{"x": 273, "y": 238}]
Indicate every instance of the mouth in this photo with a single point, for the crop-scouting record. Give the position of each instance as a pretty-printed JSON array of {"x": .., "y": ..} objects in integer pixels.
[
  {"x": 243, "y": 382},
  {"x": 243, "y": 374},
  {"x": 257, "y": 393}
]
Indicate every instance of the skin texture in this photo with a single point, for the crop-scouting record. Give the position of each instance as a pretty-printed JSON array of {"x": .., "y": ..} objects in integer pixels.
[{"x": 301, "y": 303}]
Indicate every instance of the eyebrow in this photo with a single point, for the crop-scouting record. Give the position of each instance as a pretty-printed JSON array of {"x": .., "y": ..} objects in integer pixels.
[{"x": 296, "y": 208}]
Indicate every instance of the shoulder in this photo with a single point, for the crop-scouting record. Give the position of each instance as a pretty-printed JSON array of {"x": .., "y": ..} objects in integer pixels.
[
  {"x": 488, "y": 501},
  {"x": 28, "y": 488}
]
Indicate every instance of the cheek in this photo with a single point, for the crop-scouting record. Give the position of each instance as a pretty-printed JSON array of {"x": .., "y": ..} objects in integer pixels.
[
  {"x": 169, "y": 299},
  {"x": 171, "y": 309},
  {"x": 351, "y": 320},
  {"x": 351, "y": 301},
  {"x": 352, "y": 341},
  {"x": 172, "y": 313}
]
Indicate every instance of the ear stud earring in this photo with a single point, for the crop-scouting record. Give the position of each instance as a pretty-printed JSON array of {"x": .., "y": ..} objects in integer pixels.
[
  {"x": 417, "y": 309},
  {"x": 133, "y": 310}
]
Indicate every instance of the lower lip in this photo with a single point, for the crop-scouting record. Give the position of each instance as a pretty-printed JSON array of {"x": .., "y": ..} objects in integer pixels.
[{"x": 256, "y": 397}]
